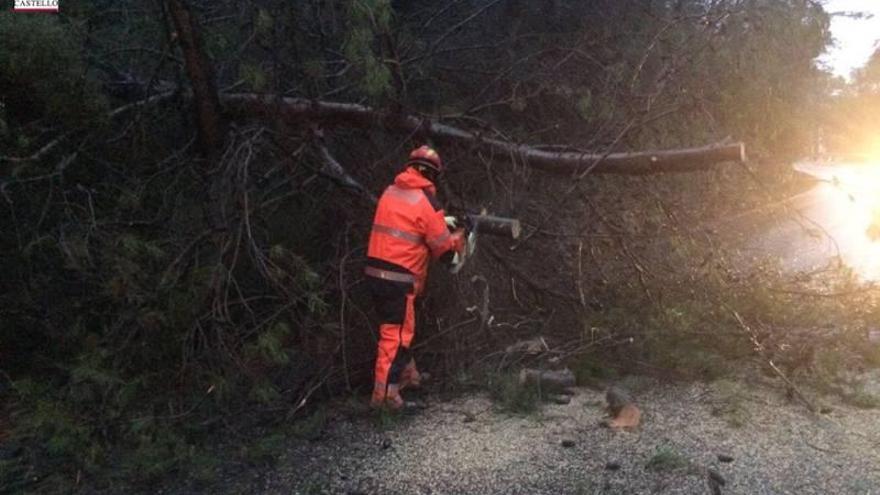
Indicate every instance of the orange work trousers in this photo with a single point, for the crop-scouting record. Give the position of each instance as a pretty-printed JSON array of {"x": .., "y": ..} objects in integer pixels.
[{"x": 395, "y": 366}]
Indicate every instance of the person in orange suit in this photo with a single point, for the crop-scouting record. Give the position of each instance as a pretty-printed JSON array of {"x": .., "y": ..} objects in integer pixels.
[{"x": 409, "y": 229}]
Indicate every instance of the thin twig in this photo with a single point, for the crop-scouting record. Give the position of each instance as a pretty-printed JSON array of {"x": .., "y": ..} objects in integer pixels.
[{"x": 759, "y": 349}]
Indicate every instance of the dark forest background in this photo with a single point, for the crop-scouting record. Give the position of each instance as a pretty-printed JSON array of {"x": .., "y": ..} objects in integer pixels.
[{"x": 182, "y": 244}]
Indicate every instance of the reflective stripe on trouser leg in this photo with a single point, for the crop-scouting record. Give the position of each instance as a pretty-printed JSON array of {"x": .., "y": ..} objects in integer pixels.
[
  {"x": 409, "y": 374},
  {"x": 407, "y": 332},
  {"x": 389, "y": 343}
]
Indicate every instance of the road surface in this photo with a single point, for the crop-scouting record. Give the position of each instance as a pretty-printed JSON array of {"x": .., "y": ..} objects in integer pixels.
[{"x": 811, "y": 229}]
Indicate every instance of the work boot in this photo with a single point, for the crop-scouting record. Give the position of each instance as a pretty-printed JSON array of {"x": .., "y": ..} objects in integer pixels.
[
  {"x": 411, "y": 377},
  {"x": 393, "y": 400},
  {"x": 386, "y": 397},
  {"x": 378, "y": 398}
]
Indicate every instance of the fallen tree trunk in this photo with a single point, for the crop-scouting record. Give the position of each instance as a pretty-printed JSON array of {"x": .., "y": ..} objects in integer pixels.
[
  {"x": 299, "y": 111},
  {"x": 548, "y": 380}
]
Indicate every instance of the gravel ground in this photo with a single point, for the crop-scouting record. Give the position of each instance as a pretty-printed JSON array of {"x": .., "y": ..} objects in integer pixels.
[{"x": 465, "y": 446}]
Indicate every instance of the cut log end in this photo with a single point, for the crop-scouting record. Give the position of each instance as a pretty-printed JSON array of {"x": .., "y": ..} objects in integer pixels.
[
  {"x": 548, "y": 380},
  {"x": 499, "y": 226},
  {"x": 300, "y": 111},
  {"x": 515, "y": 229}
]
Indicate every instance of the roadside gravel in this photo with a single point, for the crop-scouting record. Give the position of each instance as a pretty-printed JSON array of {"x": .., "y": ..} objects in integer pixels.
[{"x": 466, "y": 446}]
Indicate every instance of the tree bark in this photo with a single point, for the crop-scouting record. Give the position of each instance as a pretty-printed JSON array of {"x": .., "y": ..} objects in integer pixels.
[
  {"x": 199, "y": 70},
  {"x": 299, "y": 111},
  {"x": 549, "y": 380}
]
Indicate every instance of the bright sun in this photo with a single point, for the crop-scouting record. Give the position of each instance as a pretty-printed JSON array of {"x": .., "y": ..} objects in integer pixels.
[
  {"x": 855, "y": 203},
  {"x": 846, "y": 205}
]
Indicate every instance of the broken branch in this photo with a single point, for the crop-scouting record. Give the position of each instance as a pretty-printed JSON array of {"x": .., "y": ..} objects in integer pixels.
[
  {"x": 300, "y": 111},
  {"x": 334, "y": 170}
]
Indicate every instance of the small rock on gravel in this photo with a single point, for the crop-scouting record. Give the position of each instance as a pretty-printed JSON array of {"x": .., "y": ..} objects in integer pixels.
[
  {"x": 724, "y": 458},
  {"x": 612, "y": 465},
  {"x": 567, "y": 443}
]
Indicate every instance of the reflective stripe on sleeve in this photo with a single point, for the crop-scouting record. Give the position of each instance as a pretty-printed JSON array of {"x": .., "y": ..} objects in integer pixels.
[
  {"x": 411, "y": 196},
  {"x": 439, "y": 240},
  {"x": 400, "y": 234}
]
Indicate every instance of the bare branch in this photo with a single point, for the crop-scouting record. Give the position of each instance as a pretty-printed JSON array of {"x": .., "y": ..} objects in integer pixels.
[
  {"x": 333, "y": 169},
  {"x": 37, "y": 155},
  {"x": 299, "y": 111},
  {"x": 759, "y": 349}
]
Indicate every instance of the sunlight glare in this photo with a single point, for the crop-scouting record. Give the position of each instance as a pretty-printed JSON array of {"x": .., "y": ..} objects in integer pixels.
[{"x": 851, "y": 203}]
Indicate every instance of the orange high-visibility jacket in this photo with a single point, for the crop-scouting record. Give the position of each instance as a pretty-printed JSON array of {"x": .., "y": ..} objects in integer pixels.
[{"x": 408, "y": 228}]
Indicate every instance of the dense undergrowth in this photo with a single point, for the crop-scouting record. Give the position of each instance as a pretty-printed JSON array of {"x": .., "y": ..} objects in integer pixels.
[
  {"x": 810, "y": 330},
  {"x": 160, "y": 299}
]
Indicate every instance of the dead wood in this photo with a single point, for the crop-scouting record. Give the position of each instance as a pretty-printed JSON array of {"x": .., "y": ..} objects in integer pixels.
[
  {"x": 492, "y": 225},
  {"x": 548, "y": 380},
  {"x": 759, "y": 349},
  {"x": 533, "y": 347},
  {"x": 621, "y": 409},
  {"x": 333, "y": 169},
  {"x": 300, "y": 111},
  {"x": 617, "y": 398}
]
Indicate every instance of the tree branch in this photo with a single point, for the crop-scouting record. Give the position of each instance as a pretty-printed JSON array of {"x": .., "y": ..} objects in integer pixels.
[
  {"x": 299, "y": 111},
  {"x": 38, "y": 155},
  {"x": 333, "y": 169}
]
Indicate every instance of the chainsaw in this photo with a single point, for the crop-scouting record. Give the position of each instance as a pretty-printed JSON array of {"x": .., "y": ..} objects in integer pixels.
[{"x": 476, "y": 224}]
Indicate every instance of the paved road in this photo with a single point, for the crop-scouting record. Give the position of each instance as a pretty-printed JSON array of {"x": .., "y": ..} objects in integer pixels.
[{"x": 809, "y": 230}]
